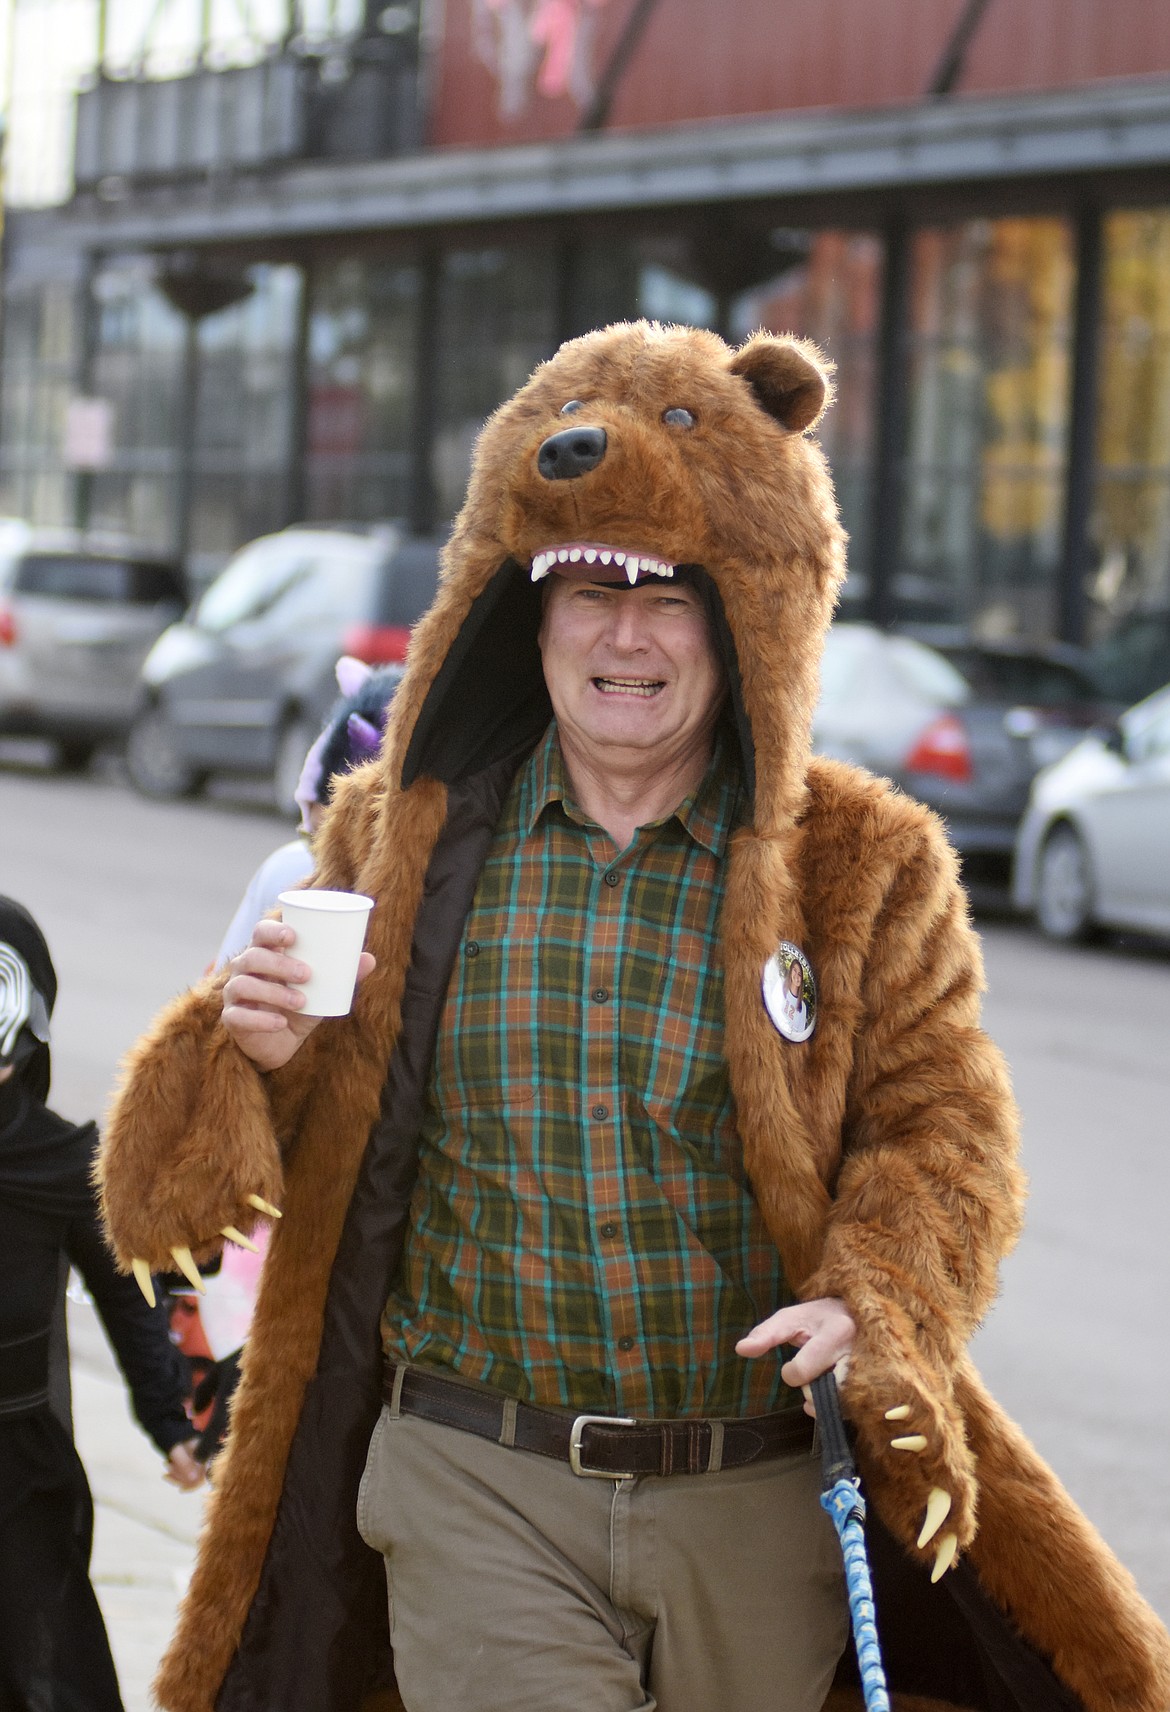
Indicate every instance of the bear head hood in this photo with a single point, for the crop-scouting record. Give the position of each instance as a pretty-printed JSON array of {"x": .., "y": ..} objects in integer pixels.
[{"x": 695, "y": 455}]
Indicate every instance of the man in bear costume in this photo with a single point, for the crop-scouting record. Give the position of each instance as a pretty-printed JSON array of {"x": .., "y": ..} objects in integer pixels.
[{"x": 879, "y": 1148}]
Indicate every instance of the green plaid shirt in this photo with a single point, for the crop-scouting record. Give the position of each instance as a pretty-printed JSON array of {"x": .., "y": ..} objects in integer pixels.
[{"x": 582, "y": 1234}]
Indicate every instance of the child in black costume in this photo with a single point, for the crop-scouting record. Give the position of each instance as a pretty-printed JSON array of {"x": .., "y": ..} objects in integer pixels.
[{"x": 54, "y": 1654}]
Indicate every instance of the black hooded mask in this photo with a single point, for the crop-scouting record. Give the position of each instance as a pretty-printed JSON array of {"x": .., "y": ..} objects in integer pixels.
[{"x": 44, "y": 1161}]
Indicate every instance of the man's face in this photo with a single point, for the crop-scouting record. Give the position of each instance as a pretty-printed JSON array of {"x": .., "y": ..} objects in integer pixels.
[{"x": 631, "y": 668}]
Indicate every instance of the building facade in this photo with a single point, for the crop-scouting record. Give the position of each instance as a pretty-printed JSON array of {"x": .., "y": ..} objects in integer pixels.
[{"x": 286, "y": 272}]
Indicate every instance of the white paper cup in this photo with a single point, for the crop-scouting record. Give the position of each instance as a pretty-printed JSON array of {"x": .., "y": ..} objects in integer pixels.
[{"x": 330, "y": 929}]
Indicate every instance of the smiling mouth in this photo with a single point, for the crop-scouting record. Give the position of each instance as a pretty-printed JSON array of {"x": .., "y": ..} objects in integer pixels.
[
  {"x": 608, "y": 564},
  {"x": 644, "y": 687}
]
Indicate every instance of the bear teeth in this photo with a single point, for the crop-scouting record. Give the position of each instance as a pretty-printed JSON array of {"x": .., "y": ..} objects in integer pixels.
[{"x": 635, "y": 564}]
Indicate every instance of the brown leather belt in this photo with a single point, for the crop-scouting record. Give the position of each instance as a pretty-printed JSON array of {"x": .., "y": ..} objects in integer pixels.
[{"x": 610, "y": 1447}]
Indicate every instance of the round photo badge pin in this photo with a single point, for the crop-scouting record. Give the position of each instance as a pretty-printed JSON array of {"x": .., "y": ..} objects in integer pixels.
[{"x": 790, "y": 992}]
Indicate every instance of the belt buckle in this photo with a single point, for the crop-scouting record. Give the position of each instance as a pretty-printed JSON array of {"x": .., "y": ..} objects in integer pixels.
[{"x": 578, "y": 1427}]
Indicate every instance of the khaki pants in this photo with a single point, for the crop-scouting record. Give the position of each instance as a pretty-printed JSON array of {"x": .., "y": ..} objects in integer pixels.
[{"x": 518, "y": 1586}]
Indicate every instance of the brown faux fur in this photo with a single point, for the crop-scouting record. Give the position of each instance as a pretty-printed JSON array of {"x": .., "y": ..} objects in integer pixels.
[{"x": 882, "y": 1151}]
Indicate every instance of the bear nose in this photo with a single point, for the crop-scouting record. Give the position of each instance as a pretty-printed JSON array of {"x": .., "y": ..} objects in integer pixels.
[{"x": 572, "y": 452}]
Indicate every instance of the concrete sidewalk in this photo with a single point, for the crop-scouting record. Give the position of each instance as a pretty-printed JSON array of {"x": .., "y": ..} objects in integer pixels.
[{"x": 145, "y": 1530}]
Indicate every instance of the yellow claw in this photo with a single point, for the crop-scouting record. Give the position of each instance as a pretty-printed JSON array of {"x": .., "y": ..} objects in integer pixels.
[
  {"x": 948, "y": 1551},
  {"x": 141, "y": 1272},
  {"x": 898, "y": 1414},
  {"x": 263, "y": 1206},
  {"x": 183, "y": 1260},
  {"x": 912, "y": 1441},
  {"x": 238, "y": 1237},
  {"x": 938, "y": 1508}
]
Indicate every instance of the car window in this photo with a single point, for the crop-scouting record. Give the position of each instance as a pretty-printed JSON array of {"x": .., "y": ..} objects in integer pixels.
[
  {"x": 1021, "y": 678},
  {"x": 335, "y": 587},
  {"x": 926, "y": 673},
  {"x": 72, "y": 576},
  {"x": 1147, "y": 730},
  {"x": 251, "y": 584},
  {"x": 152, "y": 583},
  {"x": 409, "y": 579},
  {"x": 1134, "y": 660}
]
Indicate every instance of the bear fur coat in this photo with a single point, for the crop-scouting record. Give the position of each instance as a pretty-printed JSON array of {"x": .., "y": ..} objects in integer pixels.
[{"x": 882, "y": 1150}]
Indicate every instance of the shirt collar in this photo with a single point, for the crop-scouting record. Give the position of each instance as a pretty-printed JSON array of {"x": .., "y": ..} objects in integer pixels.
[{"x": 709, "y": 814}]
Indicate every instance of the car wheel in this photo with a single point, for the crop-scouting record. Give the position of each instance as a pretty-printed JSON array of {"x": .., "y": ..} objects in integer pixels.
[
  {"x": 296, "y": 737},
  {"x": 1064, "y": 886},
  {"x": 156, "y": 765}
]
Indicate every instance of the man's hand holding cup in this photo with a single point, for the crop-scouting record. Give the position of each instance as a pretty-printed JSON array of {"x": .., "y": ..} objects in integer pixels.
[{"x": 271, "y": 1002}]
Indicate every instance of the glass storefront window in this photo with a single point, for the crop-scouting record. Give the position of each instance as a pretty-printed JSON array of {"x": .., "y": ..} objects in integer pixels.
[
  {"x": 245, "y": 416},
  {"x": 497, "y": 320},
  {"x": 1129, "y": 588},
  {"x": 244, "y": 410},
  {"x": 831, "y": 293},
  {"x": 619, "y": 279},
  {"x": 990, "y": 321},
  {"x": 137, "y": 366},
  {"x": 665, "y": 296},
  {"x": 41, "y": 332},
  {"x": 363, "y": 322}
]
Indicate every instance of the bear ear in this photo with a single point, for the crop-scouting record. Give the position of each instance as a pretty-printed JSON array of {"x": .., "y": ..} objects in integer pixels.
[{"x": 790, "y": 378}]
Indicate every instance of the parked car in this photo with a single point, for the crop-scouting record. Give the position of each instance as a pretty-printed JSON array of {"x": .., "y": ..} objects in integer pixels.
[
  {"x": 77, "y": 618},
  {"x": 243, "y": 683},
  {"x": 965, "y": 734},
  {"x": 1094, "y": 846}
]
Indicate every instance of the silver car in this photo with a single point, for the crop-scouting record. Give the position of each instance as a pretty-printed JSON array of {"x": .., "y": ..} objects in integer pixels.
[
  {"x": 1094, "y": 845},
  {"x": 965, "y": 735},
  {"x": 77, "y": 619}
]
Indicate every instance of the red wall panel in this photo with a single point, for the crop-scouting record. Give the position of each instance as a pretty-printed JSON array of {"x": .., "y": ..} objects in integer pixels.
[{"x": 522, "y": 70}]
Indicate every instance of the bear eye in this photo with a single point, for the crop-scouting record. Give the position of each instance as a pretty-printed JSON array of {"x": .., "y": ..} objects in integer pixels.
[
  {"x": 677, "y": 417},
  {"x": 573, "y": 404}
]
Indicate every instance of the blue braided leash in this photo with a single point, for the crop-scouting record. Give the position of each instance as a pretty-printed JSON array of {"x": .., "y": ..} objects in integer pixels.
[{"x": 846, "y": 1508}]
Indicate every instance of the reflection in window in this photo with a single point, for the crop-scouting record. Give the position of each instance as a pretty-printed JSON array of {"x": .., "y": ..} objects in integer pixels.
[
  {"x": 659, "y": 277},
  {"x": 244, "y": 419},
  {"x": 1131, "y": 521},
  {"x": 830, "y": 292},
  {"x": 41, "y": 332},
  {"x": 989, "y": 392},
  {"x": 664, "y": 295},
  {"x": 496, "y": 322},
  {"x": 243, "y": 413},
  {"x": 138, "y": 367},
  {"x": 363, "y": 321},
  {"x": 251, "y": 584}
]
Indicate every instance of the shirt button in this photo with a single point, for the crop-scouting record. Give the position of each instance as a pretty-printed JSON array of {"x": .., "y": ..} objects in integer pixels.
[
  {"x": 601, "y": 1111},
  {"x": 612, "y": 879},
  {"x": 600, "y": 994},
  {"x": 625, "y": 1343},
  {"x": 473, "y": 947},
  {"x": 609, "y": 1228}
]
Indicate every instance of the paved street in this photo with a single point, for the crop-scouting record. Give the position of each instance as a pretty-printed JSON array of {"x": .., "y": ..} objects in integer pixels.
[{"x": 134, "y": 897}]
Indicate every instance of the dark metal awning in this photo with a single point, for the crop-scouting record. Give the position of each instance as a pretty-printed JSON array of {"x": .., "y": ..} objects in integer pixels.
[{"x": 1098, "y": 128}]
